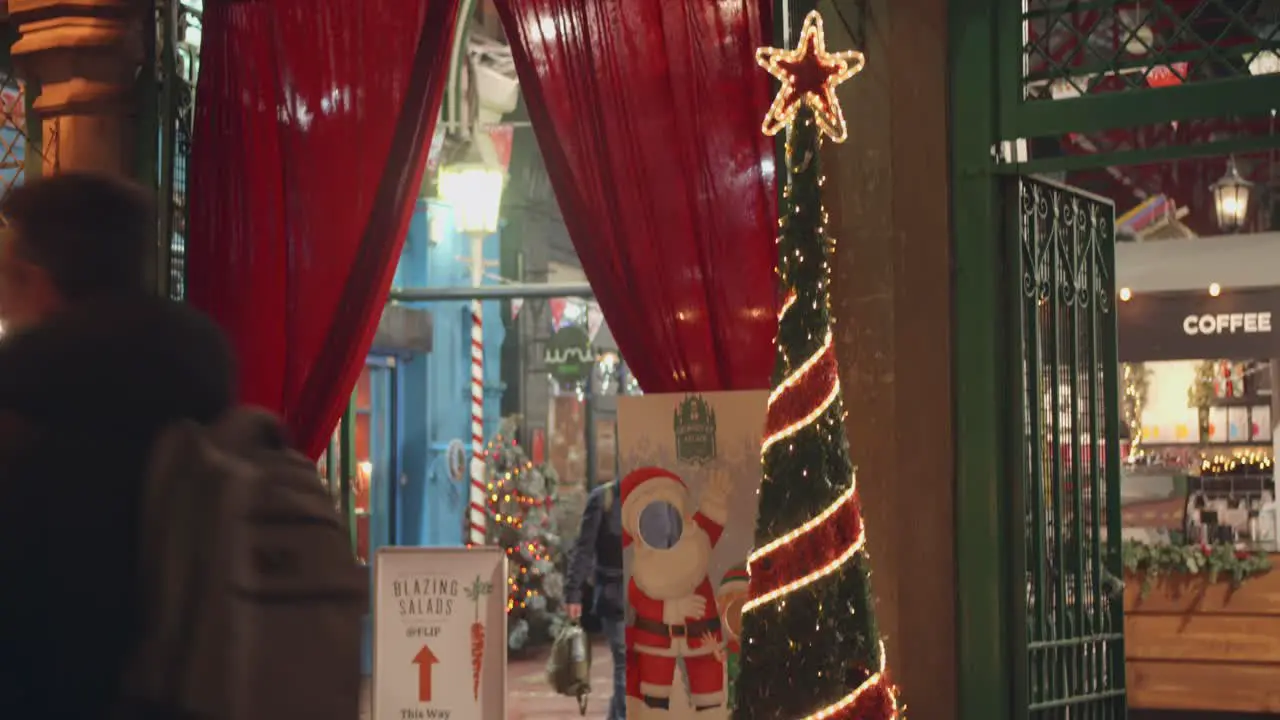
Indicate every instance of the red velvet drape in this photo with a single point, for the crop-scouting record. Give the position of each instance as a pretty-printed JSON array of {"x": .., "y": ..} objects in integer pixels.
[
  {"x": 312, "y": 127},
  {"x": 648, "y": 114}
]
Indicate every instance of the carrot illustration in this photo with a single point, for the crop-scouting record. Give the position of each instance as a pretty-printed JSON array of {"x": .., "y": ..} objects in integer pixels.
[
  {"x": 477, "y": 657},
  {"x": 478, "y": 590}
]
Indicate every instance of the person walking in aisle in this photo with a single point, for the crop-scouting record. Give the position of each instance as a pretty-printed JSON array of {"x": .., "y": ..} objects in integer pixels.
[
  {"x": 596, "y": 564},
  {"x": 92, "y": 366}
]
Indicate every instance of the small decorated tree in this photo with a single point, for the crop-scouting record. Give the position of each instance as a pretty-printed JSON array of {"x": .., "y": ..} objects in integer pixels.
[{"x": 521, "y": 499}]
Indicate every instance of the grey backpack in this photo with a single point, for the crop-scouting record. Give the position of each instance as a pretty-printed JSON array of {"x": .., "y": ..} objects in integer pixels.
[
  {"x": 252, "y": 598},
  {"x": 569, "y": 665}
]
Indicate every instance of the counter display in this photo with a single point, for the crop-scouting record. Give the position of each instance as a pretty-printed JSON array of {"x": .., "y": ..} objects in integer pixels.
[{"x": 1195, "y": 645}]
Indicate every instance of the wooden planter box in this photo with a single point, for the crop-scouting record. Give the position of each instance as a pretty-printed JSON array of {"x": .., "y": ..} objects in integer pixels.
[{"x": 1190, "y": 645}]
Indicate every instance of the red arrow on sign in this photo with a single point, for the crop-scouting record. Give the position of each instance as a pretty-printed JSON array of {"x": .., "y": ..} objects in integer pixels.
[{"x": 425, "y": 660}]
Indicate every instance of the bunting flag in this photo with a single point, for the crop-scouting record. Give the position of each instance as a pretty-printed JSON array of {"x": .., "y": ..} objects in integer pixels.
[
  {"x": 557, "y": 311},
  {"x": 516, "y": 304},
  {"x": 503, "y": 138}
]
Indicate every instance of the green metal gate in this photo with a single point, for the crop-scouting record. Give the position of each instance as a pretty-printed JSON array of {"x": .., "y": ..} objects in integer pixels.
[
  {"x": 1055, "y": 87},
  {"x": 1065, "y": 479},
  {"x": 176, "y": 56}
]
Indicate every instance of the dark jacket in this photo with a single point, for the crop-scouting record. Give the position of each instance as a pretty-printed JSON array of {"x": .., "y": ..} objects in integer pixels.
[
  {"x": 82, "y": 399},
  {"x": 597, "y": 555}
]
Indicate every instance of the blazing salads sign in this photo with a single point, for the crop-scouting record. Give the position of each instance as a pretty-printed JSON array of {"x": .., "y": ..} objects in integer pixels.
[{"x": 1193, "y": 325}]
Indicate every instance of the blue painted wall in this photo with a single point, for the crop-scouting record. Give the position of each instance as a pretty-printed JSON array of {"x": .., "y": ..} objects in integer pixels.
[{"x": 435, "y": 395}]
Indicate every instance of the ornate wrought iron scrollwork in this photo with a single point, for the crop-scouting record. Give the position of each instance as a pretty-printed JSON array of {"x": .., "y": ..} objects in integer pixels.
[{"x": 1067, "y": 477}]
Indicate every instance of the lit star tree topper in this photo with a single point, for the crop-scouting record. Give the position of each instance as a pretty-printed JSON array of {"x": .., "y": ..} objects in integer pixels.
[
  {"x": 809, "y": 76},
  {"x": 810, "y": 646}
]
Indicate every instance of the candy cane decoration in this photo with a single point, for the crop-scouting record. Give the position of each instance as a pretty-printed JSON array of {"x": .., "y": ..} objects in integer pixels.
[{"x": 476, "y": 511}]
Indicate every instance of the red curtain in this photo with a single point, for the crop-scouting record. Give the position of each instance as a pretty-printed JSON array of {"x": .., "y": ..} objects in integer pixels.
[
  {"x": 312, "y": 127},
  {"x": 648, "y": 113}
]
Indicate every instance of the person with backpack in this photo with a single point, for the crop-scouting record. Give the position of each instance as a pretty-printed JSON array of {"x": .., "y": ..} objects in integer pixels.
[
  {"x": 121, "y": 522},
  {"x": 595, "y": 567},
  {"x": 596, "y": 575},
  {"x": 92, "y": 366}
]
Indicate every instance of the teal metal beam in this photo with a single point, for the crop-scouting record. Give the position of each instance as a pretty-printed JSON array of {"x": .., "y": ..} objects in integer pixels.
[
  {"x": 1142, "y": 156},
  {"x": 983, "y": 612},
  {"x": 347, "y": 468},
  {"x": 1234, "y": 97}
]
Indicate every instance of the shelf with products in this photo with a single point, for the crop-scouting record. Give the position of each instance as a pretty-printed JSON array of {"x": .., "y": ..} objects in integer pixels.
[{"x": 1214, "y": 405}]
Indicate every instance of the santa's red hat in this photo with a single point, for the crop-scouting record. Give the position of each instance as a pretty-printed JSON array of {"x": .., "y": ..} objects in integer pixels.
[{"x": 643, "y": 487}]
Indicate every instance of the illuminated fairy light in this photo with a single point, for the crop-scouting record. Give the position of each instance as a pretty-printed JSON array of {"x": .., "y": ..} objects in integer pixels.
[
  {"x": 867, "y": 686},
  {"x": 809, "y": 579},
  {"x": 794, "y": 378},
  {"x": 786, "y": 305},
  {"x": 800, "y": 424},
  {"x": 817, "y": 520},
  {"x": 795, "y": 69}
]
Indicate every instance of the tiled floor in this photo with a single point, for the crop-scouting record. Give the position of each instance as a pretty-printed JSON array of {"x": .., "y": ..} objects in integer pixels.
[{"x": 529, "y": 698}]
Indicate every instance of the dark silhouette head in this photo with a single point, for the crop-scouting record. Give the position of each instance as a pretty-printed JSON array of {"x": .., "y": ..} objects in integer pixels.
[{"x": 72, "y": 239}]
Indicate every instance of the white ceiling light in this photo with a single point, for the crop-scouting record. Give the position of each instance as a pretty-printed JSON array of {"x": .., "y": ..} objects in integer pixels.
[{"x": 1266, "y": 62}]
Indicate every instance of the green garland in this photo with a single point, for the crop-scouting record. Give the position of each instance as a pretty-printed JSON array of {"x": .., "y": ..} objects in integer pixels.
[{"x": 1152, "y": 561}]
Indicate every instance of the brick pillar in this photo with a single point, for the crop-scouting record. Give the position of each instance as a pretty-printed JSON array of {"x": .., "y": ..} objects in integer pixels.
[
  {"x": 888, "y": 201},
  {"x": 82, "y": 58}
]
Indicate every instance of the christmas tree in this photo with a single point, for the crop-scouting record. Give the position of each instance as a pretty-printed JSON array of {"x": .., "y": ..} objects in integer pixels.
[
  {"x": 810, "y": 646},
  {"x": 521, "y": 498}
]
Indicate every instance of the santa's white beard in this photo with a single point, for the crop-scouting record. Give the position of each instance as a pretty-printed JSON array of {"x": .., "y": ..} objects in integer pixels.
[{"x": 674, "y": 572}]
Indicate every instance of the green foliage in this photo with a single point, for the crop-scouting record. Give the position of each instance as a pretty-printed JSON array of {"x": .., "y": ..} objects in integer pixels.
[
  {"x": 811, "y": 650},
  {"x": 1211, "y": 561},
  {"x": 1200, "y": 393}
]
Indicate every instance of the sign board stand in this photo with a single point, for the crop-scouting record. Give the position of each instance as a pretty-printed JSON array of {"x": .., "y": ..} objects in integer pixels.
[{"x": 439, "y": 633}]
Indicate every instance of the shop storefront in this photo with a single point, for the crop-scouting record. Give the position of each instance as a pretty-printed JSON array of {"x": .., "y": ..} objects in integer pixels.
[{"x": 1198, "y": 344}]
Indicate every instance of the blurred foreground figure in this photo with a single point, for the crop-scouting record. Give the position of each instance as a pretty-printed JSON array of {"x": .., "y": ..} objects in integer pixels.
[
  {"x": 92, "y": 366},
  {"x": 140, "y": 580}
]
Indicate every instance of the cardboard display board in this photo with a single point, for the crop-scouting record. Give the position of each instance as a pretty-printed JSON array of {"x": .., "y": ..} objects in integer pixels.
[
  {"x": 691, "y": 472},
  {"x": 439, "y": 633}
]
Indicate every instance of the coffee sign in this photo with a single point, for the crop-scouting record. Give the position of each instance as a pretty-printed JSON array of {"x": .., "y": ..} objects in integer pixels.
[
  {"x": 1192, "y": 325},
  {"x": 569, "y": 356},
  {"x": 1247, "y": 322}
]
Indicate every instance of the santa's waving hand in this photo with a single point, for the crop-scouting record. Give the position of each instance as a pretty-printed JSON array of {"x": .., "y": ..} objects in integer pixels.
[{"x": 671, "y": 602}]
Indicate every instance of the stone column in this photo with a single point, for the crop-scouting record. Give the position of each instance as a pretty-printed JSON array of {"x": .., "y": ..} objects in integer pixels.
[
  {"x": 81, "y": 58},
  {"x": 888, "y": 202}
]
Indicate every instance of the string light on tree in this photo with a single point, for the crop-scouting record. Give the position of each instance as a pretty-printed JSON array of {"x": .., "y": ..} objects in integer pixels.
[
  {"x": 811, "y": 649},
  {"x": 809, "y": 76},
  {"x": 520, "y": 498}
]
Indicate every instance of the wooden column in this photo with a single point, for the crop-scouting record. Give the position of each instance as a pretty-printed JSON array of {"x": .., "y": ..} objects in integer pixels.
[
  {"x": 888, "y": 201},
  {"x": 81, "y": 58}
]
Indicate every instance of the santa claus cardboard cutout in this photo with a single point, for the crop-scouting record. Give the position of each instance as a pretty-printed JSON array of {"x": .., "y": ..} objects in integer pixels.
[
  {"x": 672, "y": 605},
  {"x": 688, "y": 519}
]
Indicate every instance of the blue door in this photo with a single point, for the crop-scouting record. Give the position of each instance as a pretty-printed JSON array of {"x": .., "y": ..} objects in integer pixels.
[{"x": 376, "y": 486}]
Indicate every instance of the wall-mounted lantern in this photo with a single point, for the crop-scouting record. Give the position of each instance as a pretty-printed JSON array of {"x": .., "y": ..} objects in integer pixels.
[
  {"x": 1231, "y": 198},
  {"x": 474, "y": 190}
]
